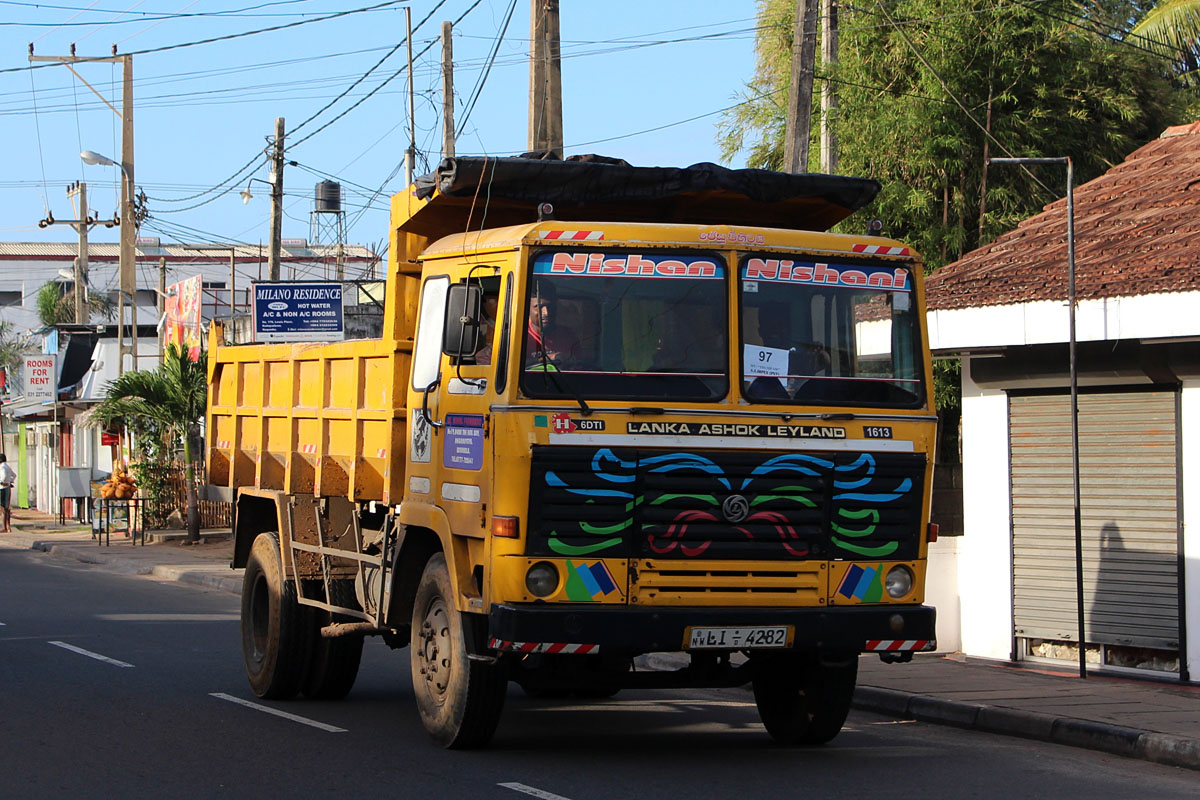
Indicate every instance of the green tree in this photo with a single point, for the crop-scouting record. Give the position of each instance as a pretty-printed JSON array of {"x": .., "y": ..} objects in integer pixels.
[
  {"x": 929, "y": 88},
  {"x": 1175, "y": 26},
  {"x": 56, "y": 304},
  {"x": 13, "y": 348},
  {"x": 172, "y": 400}
]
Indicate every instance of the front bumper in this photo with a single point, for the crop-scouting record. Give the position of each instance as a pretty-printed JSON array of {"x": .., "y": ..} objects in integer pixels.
[{"x": 649, "y": 630}]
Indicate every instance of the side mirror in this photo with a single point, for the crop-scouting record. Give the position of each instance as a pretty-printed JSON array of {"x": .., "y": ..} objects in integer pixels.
[{"x": 463, "y": 309}]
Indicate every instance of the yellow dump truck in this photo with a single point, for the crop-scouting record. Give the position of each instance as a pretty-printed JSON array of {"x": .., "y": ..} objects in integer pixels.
[{"x": 614, "y": 411}]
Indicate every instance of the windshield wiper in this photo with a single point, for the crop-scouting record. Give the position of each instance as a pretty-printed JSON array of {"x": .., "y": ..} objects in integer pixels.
[{"x": 565, "y": 387}]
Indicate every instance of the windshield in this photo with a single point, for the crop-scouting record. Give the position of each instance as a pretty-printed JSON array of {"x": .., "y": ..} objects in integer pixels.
[
  {"x": 626, "y": 324},
  {"x": 829, "y": 333}
]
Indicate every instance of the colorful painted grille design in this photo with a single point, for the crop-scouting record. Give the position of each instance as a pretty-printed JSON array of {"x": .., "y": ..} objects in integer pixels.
[{"x": 591, "y": 502}]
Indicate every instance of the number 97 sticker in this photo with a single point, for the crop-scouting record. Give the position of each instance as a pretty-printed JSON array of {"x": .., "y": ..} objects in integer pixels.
[{"x": 760, "y": 361}]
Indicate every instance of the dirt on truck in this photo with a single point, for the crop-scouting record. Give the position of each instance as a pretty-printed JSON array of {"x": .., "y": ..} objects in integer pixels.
[{"x": 614, "y": 411}]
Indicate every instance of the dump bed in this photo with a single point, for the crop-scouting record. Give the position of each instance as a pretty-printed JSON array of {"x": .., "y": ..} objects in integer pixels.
[{"x": 309, "y": 419}]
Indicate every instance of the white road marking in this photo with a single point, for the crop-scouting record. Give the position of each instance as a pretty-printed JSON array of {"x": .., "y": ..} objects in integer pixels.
[
  {"x": 90, "y": 654},
  {"x": 530, "y": 790},
  {"x": 169, "y": 617},
  {"x": 276, "y": 712}
]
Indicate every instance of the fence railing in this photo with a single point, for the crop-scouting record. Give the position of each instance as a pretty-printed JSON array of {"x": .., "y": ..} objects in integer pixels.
[{"x": 172, "y": 496}]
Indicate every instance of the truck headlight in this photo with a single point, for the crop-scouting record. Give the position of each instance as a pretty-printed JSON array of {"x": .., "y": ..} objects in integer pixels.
[
  {"x": 542, "y": 579},
  {"x": 899, "y": 581}
]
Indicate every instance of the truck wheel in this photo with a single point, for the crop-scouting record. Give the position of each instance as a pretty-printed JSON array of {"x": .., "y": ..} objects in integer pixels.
[
  {"x": 333, "y": 664},
  {"x": 459, "y": 699},
  {"x": 803, "y": 703},
  {"x": 276, "y": 636}
]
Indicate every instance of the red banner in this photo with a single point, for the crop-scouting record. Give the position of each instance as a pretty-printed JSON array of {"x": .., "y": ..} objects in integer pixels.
[{"x": 183, "y": 323}]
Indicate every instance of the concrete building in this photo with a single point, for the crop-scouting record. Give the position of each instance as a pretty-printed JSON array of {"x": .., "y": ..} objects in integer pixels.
[{"x": 1003, "y": 309}]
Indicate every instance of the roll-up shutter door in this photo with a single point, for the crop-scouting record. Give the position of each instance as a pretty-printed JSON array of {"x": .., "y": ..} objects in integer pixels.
[{"x": 1127, "y": 464}]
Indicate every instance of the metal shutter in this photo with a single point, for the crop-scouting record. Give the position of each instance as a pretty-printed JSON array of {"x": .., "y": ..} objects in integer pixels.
[{"x": 1129, "y": 502}]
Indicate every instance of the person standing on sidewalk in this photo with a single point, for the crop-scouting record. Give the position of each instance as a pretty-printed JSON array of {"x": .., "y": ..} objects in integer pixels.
[{"x": 8, "y": 477}]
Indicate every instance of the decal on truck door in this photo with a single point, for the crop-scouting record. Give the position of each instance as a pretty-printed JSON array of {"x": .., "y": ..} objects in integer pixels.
[{"x": 420, "y": 438}]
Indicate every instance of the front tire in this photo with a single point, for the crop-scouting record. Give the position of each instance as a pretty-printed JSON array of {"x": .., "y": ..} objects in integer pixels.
[
  {"x": 276, "y": 638},
  {"x": 459, "y": 700},
  {"x": 804, "y": 703}
]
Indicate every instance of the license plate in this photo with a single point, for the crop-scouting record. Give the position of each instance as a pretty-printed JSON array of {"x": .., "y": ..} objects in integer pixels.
[{"x": 751, "y": 638}]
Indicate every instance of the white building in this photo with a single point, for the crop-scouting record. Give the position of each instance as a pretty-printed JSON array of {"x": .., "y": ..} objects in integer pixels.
[{"x": 1003, "y": 309}]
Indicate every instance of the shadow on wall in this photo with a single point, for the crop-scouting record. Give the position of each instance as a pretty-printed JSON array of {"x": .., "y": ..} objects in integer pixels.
[
  {"x": 947, "y": 504},
  {"x": 1132, "y": 611}
]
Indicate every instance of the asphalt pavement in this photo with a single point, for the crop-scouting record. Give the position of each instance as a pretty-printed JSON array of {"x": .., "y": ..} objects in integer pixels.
[{"x": 1152, "y": 720}]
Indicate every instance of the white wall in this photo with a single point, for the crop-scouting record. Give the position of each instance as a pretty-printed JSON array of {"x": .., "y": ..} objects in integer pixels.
[
  {"x": 1155, "y": 316},
  {"x": 941, "y": 592},
  {"x": 984, "y": 552},
  {"x": 1190, "y": 422}
]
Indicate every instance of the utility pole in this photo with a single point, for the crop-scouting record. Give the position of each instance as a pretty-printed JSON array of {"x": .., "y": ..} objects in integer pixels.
[
  {"x": 276, "y": 177},
  {"x": 829, "y": 98},
  {"x": 82, "y": 224},
  {"x": 162, "y": 307},
  {"x": 410, "y": 155},
  {"x": 128, "y": 218},
  {"x": 81, "y": 261},
  {"x": 447, "y": 90},
  {"x": 799, "y": 118},
  {"x": 128, "y": 274},
  {"x": 545, "y": 79}
]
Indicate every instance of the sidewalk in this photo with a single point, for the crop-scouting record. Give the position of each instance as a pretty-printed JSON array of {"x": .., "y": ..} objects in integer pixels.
[{"x": 1124, "y": 716}]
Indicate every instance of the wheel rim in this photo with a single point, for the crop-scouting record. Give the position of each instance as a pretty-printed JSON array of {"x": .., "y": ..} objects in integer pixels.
[
  {"x": 435, "y": 648},
  {"x": 260, "y": 616}
]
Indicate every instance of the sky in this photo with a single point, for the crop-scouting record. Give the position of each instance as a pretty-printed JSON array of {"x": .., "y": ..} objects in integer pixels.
[{"x": 644, "y": 81}]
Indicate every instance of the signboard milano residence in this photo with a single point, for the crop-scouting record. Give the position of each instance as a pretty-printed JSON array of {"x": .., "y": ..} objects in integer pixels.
[{"x": 298, "y": 312}]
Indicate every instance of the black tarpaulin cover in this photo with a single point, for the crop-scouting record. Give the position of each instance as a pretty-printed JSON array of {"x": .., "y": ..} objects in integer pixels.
[{"x": 606, "y": 189}]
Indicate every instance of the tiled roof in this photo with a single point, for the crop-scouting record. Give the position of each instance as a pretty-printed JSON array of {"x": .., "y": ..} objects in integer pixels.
[{"x": 1137, "y": 232}]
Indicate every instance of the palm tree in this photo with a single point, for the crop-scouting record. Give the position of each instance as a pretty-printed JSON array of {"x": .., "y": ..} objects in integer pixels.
[
  {"x": 13, "y": 347},
  {"x": 1175, "y": 24},
  {"x": 173, "y": 396},
  {"x": 56, "y": 304}
]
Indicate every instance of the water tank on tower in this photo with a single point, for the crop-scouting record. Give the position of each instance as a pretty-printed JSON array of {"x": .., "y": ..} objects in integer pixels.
[
  {"x": 327, "y": 226},
  {"x": 328, "y": 197}
]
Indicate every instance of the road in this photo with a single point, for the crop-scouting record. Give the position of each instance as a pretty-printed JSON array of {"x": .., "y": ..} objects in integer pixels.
[{"x": 120, "y": 686}]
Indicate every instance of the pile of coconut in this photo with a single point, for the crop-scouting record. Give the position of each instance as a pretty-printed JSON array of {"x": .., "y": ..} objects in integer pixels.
[{"x": 120, "y": 486}]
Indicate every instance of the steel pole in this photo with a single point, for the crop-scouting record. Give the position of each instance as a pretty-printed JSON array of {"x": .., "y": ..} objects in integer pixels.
[
  {"x": 1075, "y": 417},
  {"x": 1074, "y": 380}
]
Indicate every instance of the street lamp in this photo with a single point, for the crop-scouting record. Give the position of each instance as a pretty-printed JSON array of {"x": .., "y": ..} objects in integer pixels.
[
  {"x": 128, "y": 281},
  {"x": 94, "y": 159},
  {"x": 245, "y": 193},
  {"x": 1074, "y": 387}
]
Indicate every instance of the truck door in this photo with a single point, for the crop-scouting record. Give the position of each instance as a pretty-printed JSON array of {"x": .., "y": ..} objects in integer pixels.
[
  {"x": 450, "y": 448},
  {"x": 464, "y": 451}
]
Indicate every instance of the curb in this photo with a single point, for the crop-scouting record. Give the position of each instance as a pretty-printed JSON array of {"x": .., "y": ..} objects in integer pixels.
[
  {"x": 1161, "y": 748},
  {"x": 218, "y": 577}
]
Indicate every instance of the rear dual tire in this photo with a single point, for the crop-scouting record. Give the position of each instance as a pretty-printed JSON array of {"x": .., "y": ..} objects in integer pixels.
[{"x": 282, "y": 647}]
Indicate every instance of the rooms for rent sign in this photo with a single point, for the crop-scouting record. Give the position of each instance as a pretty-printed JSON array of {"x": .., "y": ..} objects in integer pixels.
[
  {"x": 40, "y": 377},
  {"x": 298, "y": 312}
]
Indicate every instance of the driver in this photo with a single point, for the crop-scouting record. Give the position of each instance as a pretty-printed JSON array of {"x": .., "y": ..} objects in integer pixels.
[{"x": 557, "y": 343}]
